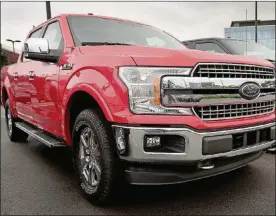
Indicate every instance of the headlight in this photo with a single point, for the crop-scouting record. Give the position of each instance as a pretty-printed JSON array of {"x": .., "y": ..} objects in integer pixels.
[{"x": 143, "y": 85}]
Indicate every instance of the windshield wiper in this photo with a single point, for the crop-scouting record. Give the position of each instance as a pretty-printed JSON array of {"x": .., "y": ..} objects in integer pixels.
[{"x": 103, "y": 44}]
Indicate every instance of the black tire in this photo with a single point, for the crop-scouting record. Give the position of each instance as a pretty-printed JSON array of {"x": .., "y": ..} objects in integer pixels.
[
  {"x": 90, "y": 122},
  {"x": 14, "y": 133},
  {"x": 272, "y": 150}
]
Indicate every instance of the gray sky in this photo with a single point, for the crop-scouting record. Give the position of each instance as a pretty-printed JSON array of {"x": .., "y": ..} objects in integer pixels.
[{"x": 184, "y": 20}]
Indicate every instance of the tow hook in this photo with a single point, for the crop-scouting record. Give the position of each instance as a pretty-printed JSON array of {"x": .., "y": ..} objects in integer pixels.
[{"x": 205, "y": 165}]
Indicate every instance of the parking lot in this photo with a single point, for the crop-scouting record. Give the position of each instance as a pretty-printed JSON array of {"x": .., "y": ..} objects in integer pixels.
[{"x": 39, "y": 180}]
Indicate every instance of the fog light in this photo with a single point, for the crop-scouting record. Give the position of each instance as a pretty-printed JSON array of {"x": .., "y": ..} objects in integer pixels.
[
  {"x": 120, "y": 140},
  {"x": 152, "y": 141}
]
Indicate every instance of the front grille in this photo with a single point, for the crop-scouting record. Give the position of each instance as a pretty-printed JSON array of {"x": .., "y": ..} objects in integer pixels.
[
  {"x": 233, "y": 71},
  {"x": 215, "y": 112}
]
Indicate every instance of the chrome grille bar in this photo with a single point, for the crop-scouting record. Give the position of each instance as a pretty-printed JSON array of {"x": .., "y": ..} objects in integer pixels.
[
  {"x": 233, "y": 71},
  {"x": 215, "y": 112}
]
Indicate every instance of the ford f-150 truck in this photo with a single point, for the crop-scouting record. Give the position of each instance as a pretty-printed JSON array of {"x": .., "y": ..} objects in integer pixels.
[{"x": 135, "y": 105}]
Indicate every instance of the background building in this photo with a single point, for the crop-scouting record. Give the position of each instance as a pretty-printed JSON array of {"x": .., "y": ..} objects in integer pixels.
[{"x": 243, "y": 30}]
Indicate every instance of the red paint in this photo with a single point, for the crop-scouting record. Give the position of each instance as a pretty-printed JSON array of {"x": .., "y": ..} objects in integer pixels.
[{"x": 95, "y": 71}]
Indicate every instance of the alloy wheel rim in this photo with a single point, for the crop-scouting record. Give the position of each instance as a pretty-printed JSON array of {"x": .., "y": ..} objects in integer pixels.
[
  {"x": 9, "y": 121},
  {"x": 89, "y": 155}
]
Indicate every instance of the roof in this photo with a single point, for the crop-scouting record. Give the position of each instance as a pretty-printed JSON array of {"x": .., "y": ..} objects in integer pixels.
[
  {"x": 86, "y": 15},
  {"x": 99, "y": 16},
  {"x": 252, "y": 23}
]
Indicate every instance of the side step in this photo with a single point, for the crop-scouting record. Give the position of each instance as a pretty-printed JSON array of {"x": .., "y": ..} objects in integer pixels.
[{"x": 40, "y": 135}]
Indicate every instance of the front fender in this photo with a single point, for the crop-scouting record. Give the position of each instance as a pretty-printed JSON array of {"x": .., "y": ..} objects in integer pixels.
[{"x": 97, "y": 82}]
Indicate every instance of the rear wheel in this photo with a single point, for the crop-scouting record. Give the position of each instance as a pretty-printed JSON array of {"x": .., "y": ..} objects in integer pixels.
[
  {"x": 14, "y": 133},
  {"x": 94, "y": 156}
]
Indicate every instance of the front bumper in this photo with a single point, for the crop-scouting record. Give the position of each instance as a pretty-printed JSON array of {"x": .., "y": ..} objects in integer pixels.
[
  {"x": 154, "y": 168},
  {"x": 194, "y": 148}
]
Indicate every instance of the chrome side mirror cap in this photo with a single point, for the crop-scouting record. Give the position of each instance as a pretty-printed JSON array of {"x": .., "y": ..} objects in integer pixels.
[{"x": 36, "y": 46}]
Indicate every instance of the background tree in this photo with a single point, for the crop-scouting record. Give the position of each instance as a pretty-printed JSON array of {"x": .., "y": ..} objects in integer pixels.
[{"x": 3, "y": 58}]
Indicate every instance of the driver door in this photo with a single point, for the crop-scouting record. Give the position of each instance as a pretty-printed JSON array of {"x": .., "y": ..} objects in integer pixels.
[{"x": 45, "y": 99}]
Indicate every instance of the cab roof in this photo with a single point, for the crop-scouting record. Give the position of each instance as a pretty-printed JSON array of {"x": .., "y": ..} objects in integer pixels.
[{"x": 88, "y": 15}]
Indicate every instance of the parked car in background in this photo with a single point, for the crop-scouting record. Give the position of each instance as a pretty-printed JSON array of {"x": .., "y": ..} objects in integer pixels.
[
  {"x": 234, "y": 47},
  {"x": 135, "y": 105}
]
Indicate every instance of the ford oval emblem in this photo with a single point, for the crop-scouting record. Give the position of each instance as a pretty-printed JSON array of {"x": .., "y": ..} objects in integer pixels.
[{"x": 249, "y": 91}]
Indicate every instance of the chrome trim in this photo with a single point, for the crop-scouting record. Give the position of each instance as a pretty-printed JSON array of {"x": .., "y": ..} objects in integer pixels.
[
  {"x": 193, "y": 146},
  {"x": 234, "y": 111},
  {"x": 212, "y": 99},
  {"x": 181, "y": 91},
  {"x": 234, "y": 70},
  {"x": 205, "y": 83},
  {"x": 36, "y": 45}
]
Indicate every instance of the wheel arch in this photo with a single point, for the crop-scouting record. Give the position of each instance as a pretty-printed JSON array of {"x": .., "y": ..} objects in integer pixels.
[
  {"x": 81, "y": 97},
  {"x": 6, "y": 94}
]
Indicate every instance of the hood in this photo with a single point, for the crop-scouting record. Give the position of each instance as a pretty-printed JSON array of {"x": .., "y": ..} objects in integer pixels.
[
  {"x": 152, "y": 56},
  {"x": 272, "y": 61}
]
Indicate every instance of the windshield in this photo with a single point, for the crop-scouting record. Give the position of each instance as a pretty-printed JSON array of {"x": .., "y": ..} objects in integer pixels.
[
  {"x": 100, "y": 30},
  {"x": 251, "y": 49}
]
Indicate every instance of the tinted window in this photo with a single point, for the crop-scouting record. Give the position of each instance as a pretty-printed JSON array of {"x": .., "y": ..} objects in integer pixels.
[
  {"x": 36, "y": 34},
  {"x": 210, "y": 47},
  {"x": 251, "y": 49},
  {"x": 54, "y": 36},
  {"x": 99, "y": 30}
]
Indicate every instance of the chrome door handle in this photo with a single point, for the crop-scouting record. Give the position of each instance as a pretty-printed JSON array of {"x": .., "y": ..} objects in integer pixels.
[
  {"x": 15, "y": 75},
  {"x": 31, "y": 75}
]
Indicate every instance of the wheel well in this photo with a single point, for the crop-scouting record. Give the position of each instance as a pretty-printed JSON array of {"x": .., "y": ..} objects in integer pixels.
[
  {"x": 4, "y": 96},
  {"x": 80, "y": 101}
]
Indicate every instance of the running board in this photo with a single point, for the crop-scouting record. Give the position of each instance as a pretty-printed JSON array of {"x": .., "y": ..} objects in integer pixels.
[{"x": 40, "y": 135}]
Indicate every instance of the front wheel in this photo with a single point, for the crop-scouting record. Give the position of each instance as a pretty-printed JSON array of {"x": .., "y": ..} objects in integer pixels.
[{"x": 94, "y": 156}]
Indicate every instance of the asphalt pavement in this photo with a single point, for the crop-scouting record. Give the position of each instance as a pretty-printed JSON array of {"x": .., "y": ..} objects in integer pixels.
[{"x": 37, "y": 180}]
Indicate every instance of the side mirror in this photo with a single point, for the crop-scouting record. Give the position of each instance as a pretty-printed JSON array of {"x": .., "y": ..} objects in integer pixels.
[{"x": 38, "y": 49}]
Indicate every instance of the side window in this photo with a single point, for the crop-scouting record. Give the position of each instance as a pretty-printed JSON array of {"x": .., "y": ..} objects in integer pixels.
[
  {"x": 35, "y": 34},
  {"x": 54, "y": 36},
  {"x": 210, "y": 47}
]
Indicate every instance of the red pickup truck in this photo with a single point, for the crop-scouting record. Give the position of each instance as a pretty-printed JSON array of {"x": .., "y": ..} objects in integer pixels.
[{"x": 133, "y": 103}]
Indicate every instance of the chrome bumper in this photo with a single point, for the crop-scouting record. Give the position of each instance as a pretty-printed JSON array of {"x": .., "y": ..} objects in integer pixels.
[{"x": 193, "y": 145}]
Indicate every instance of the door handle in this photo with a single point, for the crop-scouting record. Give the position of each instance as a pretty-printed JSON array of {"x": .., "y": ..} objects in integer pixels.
[
  {"x": 31, "y": 75},
  {"x": 15, "y": 75}
]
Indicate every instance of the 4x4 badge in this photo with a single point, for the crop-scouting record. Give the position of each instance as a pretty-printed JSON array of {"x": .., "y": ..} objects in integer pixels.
[{"x": 66, "y": 67}]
